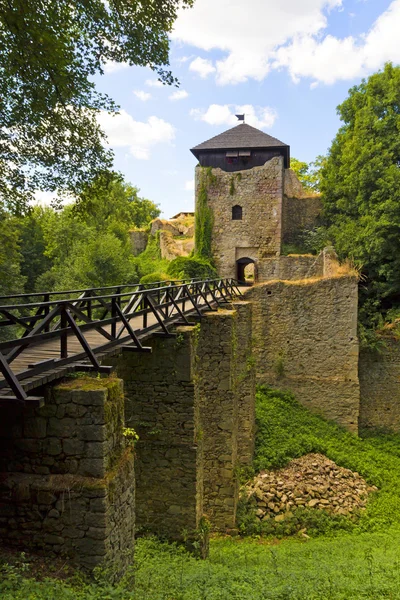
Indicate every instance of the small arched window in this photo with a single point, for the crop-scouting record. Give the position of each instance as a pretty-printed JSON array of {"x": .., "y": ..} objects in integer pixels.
[{"x": 237, "y": 213}]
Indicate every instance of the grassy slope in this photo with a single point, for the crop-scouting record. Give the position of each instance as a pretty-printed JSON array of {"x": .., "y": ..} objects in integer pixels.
[{"x": 361, "y": 564}]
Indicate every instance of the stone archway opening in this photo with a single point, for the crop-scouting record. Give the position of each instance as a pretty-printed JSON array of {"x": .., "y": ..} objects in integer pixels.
[{"x": 246, "y": 271}]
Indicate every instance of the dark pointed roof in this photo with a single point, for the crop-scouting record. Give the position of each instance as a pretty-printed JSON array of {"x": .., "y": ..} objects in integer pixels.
[{"x": 239, "y": 137}]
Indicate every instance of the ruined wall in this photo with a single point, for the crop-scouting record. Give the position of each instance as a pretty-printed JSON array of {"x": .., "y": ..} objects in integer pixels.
[
  {"x": 299, "y": 214},
  {"x": 300, "y": 209},
  {"x": 139, "y": 241},
  {"x": 258, "y": 235},
  {"x": 160, "y": 405},
  {"x": 172, "y": 247},
  {"x": 299, "y": 266},
  {"x": 192, "y": 402},
  {"x": 244, "y": 382},
  {"x": 225, "y": 391},
  {"x": 305, "y": 340},
  {"x": 67, "y": 483},
  {"x": 379, "y": 375}
]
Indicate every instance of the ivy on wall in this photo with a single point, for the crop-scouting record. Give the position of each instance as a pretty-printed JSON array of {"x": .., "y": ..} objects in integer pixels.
[{"x": 204, "y": 215}]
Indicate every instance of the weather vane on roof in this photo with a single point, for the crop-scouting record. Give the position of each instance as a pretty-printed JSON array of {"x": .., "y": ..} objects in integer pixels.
[{"x": 240, "y": 117}]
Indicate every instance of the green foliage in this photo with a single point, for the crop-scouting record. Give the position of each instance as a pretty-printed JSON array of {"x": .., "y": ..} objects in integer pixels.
[
  {"x": 86, "y": 244},
  {"x": 364, "y": 567},
  {"x": 232, "y": 186},
  {"x": 154, "y": 278},
  {"x": 123, "y": 204},
  {"x": 150, "y": 261},
  {"x": 34, "y": 261},
  {"x": 11, "y": 277},
  {"x": 97, "y": 262},
  {"x": 308, "y": 173},
  {"x": 50, "y": 53},
  {"x": 204, "y": 216},
  {"x": 286, "y": 430},
  {"x": 308, "y": 241},
  {"x": 130, "y": 436},
  {"x": 185, "y": 267},
  {"x": 360, "y": 185}
]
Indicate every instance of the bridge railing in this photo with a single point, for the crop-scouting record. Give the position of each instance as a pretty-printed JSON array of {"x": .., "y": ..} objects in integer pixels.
[{"x": 119, "y": 314}]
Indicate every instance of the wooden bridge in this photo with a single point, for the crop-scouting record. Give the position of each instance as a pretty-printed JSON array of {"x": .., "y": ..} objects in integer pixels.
[{"x": 44, "y": 336}]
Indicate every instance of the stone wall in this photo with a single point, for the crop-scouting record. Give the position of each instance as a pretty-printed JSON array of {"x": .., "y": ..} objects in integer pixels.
[
  {"x": 305, "y": 340},
  {"x": 171, "y": 247},
  {"x": 299, "y": 266},
  {"x": 218, "y": 407},
  {"x": 139, "y": 239},
  {"x": 299, "y": 214},
  {"x": 67, "y": 483},
  {"x": 258, "y": 235},
  {"x": 160, "y": 405},
  {"x": 379, "y": 375},
  {"x": 244, "y": 382},
  {"x": 192, "y": 402}
]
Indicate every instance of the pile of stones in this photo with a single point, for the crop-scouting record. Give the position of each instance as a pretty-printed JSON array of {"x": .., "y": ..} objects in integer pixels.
[{"x": 312, "y": 481}]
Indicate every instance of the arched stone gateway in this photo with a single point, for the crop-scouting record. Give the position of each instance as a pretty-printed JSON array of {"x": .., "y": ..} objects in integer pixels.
[{"x": 246, "y": 270}]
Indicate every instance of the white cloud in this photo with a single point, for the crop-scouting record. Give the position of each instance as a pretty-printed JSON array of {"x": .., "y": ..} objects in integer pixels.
[
  {"x": 202, "y": 67},
  {"x": 334, "y": 59},
  {"x": 262, "y": 117},
  {"x": 291, "y": 34},
  {"x": 123, "y": 131},
  {"x": 189, "y": 185},
  {"x": 110, "y": 66},
  {"x": 143, "y": 96},
  {"x": 179, "y": 95},
  {"x": 182, "y": 59},
  {"x": 154, "y": 83}
]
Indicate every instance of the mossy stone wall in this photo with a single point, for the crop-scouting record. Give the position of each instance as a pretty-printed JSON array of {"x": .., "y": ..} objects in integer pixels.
[
  {"x": 305, "y": 341},
  {"x": 379, "y": 374},
  {"x": 67, "y": 483}
]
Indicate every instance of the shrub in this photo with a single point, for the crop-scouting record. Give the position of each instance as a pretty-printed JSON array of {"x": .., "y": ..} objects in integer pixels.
[
  {"x": 154, "y": 278},
  {"x": 186, "y": 267}
]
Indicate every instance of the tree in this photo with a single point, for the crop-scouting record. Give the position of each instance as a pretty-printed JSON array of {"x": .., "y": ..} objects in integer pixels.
[
  {"x": 34, "y": 261},
  {"x": 97, "y": 262},
  {"x": 11, "y": 278},
  {"x": 49, "y": 52},
  {"x": 360, "y": 185},
  {"x": 109, "y": 199},
  {"x": 308, "y": 173}
]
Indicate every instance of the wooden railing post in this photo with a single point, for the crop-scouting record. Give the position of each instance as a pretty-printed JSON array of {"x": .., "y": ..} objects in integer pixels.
[
  {"x": 113, "y": 316},
  {"x": 63, "y": 333},
  {"x": 46, "y": 298}
]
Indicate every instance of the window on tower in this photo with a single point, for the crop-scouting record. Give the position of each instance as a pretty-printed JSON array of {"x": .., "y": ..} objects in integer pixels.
[{"x": 237, "y": 213}]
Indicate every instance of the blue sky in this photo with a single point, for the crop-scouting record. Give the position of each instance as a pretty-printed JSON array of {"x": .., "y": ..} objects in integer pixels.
[{"x": 288, "y": 63}]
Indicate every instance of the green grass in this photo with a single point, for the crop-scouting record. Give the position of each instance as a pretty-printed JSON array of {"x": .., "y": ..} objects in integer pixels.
[
  {"x": 348, "y": 567},
  {"x": 286, "y": 430},
  {"x": 361, "y": 563}
]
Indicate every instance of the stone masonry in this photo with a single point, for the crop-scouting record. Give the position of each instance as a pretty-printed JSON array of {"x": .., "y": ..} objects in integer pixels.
[
  {"x": 379, "y": 374},
  {"x": 258, "y": 235},
  {"x": 226, "y": 395},
  {"x": 305, "y": 341},
  {"x": 275, "y": 209},
  {"x": 192, "y": 402},
  {"x": 160, "y": 406},
  {"x": 67, "y": 484}
]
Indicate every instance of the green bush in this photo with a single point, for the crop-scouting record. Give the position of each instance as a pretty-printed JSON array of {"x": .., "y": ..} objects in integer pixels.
[
  {"x": 186, "y": 267},
  {"x": 154, "y": 278},
  {"x": 150, "y": 261}
]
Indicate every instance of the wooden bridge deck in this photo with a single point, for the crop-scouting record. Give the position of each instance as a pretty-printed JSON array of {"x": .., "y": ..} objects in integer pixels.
[{"x": 50, "y": 350}]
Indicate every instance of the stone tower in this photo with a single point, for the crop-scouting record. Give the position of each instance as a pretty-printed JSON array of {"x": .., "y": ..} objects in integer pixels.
[{"x": 241, "y": 179}]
